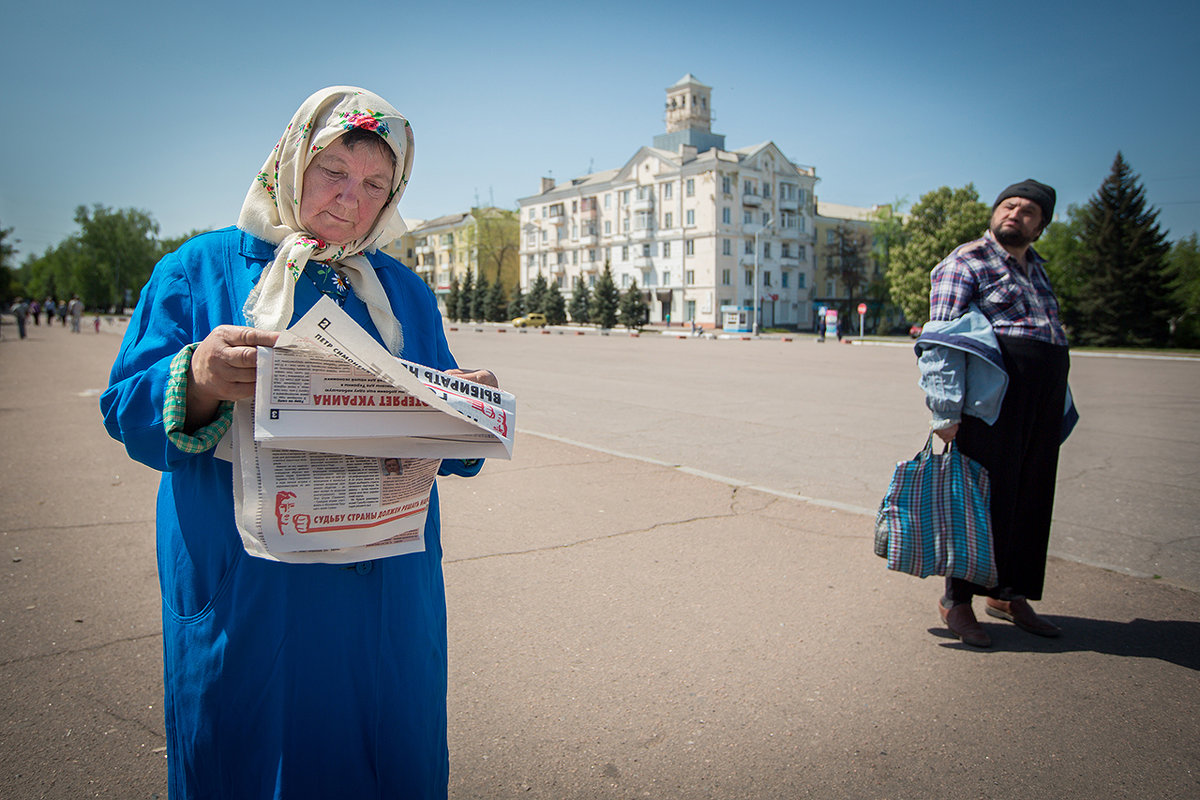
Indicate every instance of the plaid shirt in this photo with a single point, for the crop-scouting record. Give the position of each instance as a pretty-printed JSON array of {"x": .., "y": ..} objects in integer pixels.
[{"x": 1017, "y": 301}]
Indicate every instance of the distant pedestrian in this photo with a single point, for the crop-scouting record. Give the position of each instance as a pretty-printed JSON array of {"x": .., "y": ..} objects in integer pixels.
[
  {"x": 62, "y": 314},
  {"x": 48, "y": 305},
  {"x": 34, "y": 309},
  {"x": 96, "y": 323},
  {"x": 20, "y": 310},
  {"x": 75, "y": 311}
]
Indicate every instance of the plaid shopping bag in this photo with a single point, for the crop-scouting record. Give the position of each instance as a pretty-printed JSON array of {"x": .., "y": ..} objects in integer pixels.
[{"x": 936, "y": 518}]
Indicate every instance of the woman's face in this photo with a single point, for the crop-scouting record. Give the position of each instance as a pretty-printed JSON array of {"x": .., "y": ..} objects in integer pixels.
[{"x": 344, "y": 191}]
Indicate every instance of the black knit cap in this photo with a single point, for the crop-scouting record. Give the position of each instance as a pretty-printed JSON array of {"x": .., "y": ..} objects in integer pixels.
[{"x": 1030, "y": 189}]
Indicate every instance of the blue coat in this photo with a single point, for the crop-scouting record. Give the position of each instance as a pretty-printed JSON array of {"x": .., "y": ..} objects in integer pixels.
[{"x": 281, "y": 680}]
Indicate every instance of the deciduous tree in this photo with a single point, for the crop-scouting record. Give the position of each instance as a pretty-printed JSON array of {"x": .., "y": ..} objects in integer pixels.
[{"x": 940, "y": 221}]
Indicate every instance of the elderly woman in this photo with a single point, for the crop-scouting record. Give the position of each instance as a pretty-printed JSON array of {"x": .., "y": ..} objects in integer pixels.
[{"x": 287, "y": 680}]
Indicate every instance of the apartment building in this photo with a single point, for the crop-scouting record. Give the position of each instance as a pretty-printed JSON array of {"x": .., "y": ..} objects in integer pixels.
[
  {"x": 698, "y": 227},
  {"x": 482, "y": 241},
  {"x": 847, "y": 272}
]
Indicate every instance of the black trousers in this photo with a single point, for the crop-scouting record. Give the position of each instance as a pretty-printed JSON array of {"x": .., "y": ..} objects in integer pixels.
[{"x": 1020, "y": 453}]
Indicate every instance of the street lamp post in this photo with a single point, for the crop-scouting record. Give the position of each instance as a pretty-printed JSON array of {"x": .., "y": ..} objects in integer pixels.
[{"x": 761, "y": 228}]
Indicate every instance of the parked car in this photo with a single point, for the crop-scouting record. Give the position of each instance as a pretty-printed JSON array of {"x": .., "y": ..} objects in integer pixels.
[{"x": 533, "y": 320}]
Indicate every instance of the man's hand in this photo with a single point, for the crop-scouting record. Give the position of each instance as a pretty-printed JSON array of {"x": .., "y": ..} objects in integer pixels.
[
  {"x": 224, "y": 366},
  {"x": 947, "y": 434},
  {"x": 484, "y": 376}
]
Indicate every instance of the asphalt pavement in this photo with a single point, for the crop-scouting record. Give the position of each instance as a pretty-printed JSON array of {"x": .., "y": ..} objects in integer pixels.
[{"x": 632, "y": 615}]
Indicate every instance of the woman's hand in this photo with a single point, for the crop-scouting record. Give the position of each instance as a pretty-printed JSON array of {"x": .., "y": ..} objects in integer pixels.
[
  {"x": 484, "y": 376},
  {"x": 224, "y": 367}
]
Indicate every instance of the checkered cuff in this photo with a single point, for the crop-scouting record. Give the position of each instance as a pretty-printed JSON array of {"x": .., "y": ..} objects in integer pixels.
[{"x": 175, "y": 410}]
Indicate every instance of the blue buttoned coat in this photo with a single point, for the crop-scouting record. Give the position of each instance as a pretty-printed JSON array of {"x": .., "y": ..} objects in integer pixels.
[{"x": 281, "y": 680}]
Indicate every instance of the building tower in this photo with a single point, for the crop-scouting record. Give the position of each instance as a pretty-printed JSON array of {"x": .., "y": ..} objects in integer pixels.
[{"x": 689, "y": 117}]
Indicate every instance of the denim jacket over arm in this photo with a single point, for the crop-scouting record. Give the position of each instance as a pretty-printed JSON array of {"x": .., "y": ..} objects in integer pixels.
[{"x": 962, "y": 372}]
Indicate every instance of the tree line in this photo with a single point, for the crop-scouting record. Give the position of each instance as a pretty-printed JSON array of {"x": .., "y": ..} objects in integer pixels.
[
  {"x": 1119, "y": 282},
  {"x": 477, "y": 300}
]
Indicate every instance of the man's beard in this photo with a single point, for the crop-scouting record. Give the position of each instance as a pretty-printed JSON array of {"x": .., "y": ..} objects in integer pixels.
[{"x": 1012, "y": 237}]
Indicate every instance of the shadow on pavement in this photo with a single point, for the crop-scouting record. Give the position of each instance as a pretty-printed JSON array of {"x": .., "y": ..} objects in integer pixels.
[{"x": 1171, "y": 640}]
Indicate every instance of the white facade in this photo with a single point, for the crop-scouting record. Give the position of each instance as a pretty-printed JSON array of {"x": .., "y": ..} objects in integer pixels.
[{"x": 683, "y": 224}]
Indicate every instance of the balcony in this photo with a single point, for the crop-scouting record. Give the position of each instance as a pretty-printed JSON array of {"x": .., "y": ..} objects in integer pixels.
[
  {"x": 747, "y": 260},
  {"x": 789, "y": 261},
  {"x": 557, "y": 219},
  {"x": 643, "y": 203},
  {"x": 588, "y": 214},
  {"x": 589, "y": 239},
  {"x": 642, "y": 262},
  {"x": 642, "y": 234},
  {"x": 752, "y": 200},
  {"x": 789, "y": 205}
]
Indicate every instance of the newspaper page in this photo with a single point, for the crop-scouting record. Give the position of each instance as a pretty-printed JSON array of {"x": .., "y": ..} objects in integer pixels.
[
  {"x": 308, "y": 507},
  {"x": 327, "y": 386}
]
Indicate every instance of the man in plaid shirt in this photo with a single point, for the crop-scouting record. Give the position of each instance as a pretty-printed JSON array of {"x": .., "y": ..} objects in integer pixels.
[{"x": 1002, "y": 276}]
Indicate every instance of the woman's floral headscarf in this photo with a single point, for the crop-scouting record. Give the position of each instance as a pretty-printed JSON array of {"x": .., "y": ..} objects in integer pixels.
[{"x": 271, "y": 210}]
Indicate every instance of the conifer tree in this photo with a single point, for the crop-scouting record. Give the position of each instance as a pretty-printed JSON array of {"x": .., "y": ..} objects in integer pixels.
[
  {"x": 479, "y": 298},
  {"x": 516, "y": 306},
  {"x": 1124, "y": 292},
  {"x": 555, "y": 306},
  {"x": 452, "y": 299},
  {"x": 633, "y": 306},
  {"x": 466, "y": 293},
  {"x": 578, "y": 307},
  {"x": 605, "y": 299},
  {"x": 495, "y": 306},
  {"x": 536, "y": 299}
]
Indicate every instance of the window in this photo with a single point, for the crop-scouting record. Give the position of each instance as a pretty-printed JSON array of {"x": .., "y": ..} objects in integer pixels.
[
  {"x": 608, "y": 200},
  {"x": 690, "y": 218},
  {"x": 591, "y": 281},
  {"x": 831, "y": 287},
  {"x": 726, "y": 184},
  {"x": 532, "y": 213},
  {"x": 783, "y": 280},
  {"x": 766, "y": 217},
  {"x": 787, "y": 219},
  {"x": 800, "y": 280},
  {"x": 830, "y": 237},
  {"x": 562, "y": 257},
  {"x": 689, "y": 247},
  {"x": 748, "y": 247},
  {"x": 574, "y": 231},
  {"x": 747, "y": 187},
  {"x": 726, "y": 247},
  {"x": 574, "y": 256},
  {"x": 666, "y": 277},
  {"x": 726, "y": 278},
  {"x": 787, "y": 191},
  {"x": 543, "y": 259},
  {"x": 545, "y": 211},
  {"x": 802, "y": 195},
  {"x": 644, "y": 221},
  {"x": 626, "y": 224},
  {"x": 646, "y": 250},
  {"x": 574, "y": 206},
  {"x": 543, "y": 237},
  {"x": 667, "y": 189},
  {"x": 608, "y": 227},
  {"x": 529, "y": 260},
  {"x": 591, "y": 254},
  {"x": 691, "y": 310},
  {"x": 747, "y": 218},
  {"x": 689, "y": 277},
  {"x": 802, "y": 253},
  {"x": 666, "y": 249},
  {"x": 668, "y": 219},
  {"x": 556, "y": 210},
  {"x": 625, "y": 280},
  {"x": 624, "y": 252},
  {"x": 725, "y": 215},
  {"x": 690, "y": 187},
  {"x": 625, "y": 196},
  {"x": 766, "y": 249},
  {"x": 766, "y": 277},
  {"x": 766, "y": 191},
  {"x": 749, "y": 277},
  {"x": 608, "y": 254},
  {"x": 645, "y": 193}
]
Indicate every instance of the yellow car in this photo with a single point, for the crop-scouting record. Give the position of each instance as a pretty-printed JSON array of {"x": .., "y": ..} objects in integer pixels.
[{"x": 534, "y": 320}]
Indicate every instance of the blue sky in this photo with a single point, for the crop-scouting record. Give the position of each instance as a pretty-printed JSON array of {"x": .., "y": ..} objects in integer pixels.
[{"x": 172, "y": 107}]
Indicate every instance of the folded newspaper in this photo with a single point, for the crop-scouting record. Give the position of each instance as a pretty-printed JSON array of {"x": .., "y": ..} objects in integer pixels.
[
  {"x": 328, "y": 386},
  {"x": 320, "y": 473}
]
